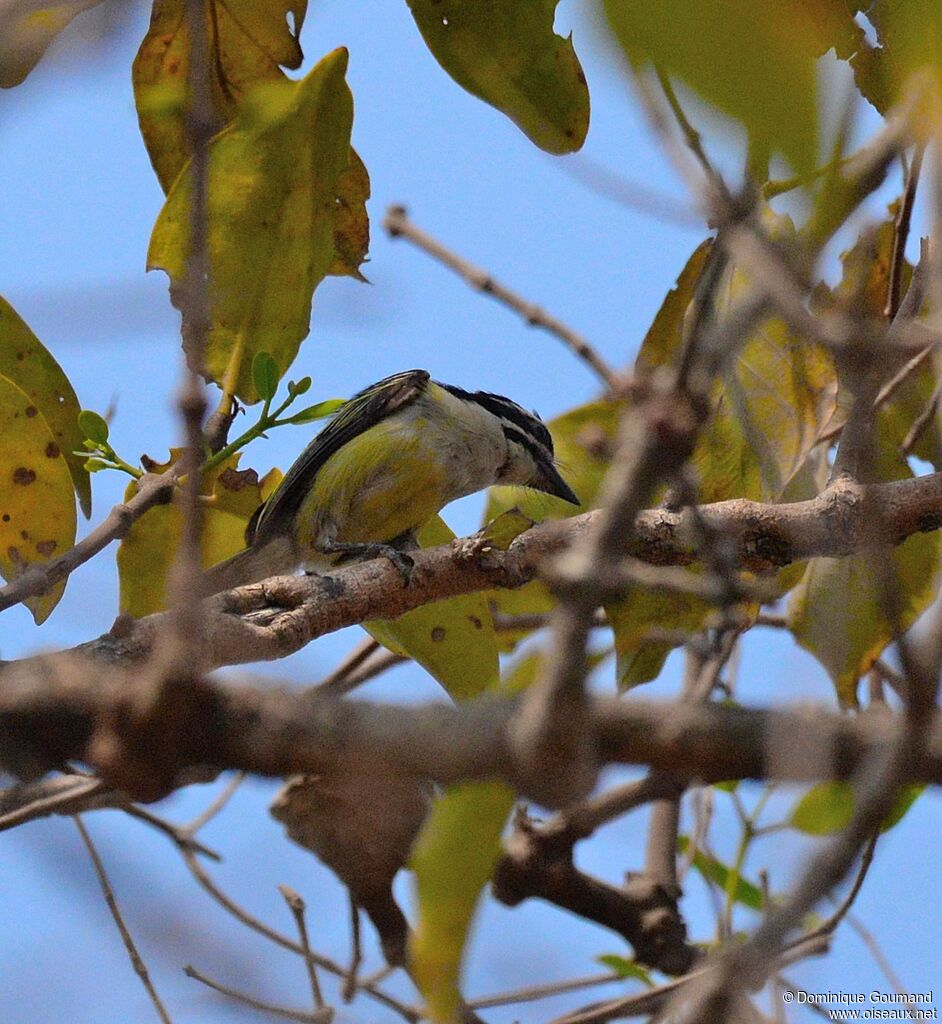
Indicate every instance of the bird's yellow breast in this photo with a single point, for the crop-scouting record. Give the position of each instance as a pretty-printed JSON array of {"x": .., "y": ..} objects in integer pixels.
[{"x": 387, "y": 481}]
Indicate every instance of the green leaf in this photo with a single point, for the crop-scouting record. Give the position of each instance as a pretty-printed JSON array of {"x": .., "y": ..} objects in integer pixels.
[
  {"x": 452, "y": 640},
  {"x": 26, "y": 36},
  {"x": 299, "y": 387},
  {"x": 713, "y": 870},
  {"x": 249, "y": 43},
  {"x": 508, "y": 55},
  {"x": 829, "y": 806},
  {"x": 93, "y": 426},
  {"x": 910, "y": 38},
  {"x": 25, "y": 361},
  {"x": 318, "y": 411},
  {"x": 755, "y": 62},
  {"x": 273, "y": 177},
  {"x": 506, "y": 528},
  {"x": 625, "y": 968},
  {"x": 265, "y": 376},
  {"x": 37, "y": 508}
]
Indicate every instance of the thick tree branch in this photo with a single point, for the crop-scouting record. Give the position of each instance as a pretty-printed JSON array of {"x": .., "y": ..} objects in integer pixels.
[
  {"x": 274, "y": 618},
  {"x": 61, "y": 708}
]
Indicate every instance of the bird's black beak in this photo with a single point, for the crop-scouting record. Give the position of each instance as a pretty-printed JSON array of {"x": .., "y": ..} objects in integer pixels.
[{"x": 549, "y": 481}]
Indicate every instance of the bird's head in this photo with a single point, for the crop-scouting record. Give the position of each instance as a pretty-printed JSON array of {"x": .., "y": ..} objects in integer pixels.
[{"x": 530, "y": 460}]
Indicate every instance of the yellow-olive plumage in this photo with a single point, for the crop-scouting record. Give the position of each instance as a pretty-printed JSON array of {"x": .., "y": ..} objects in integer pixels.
[{"x": 393, "y": 456}]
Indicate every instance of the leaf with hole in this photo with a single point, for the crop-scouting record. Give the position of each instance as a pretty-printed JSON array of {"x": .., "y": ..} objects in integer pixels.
[{"x": 508, "y": 55}]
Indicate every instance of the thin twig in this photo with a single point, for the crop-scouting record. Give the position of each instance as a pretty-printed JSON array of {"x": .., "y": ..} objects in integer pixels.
[
  {"x": 378, "y": 661},
  {"x": 901, "y": 235},
  {"x": 534, "y": 992},
  {"x": 828, "y": 927},
  {"x": 58, "y": 796},
  {"x": 215, "y": 806},
  {"x": 922, "y": 421},
  {"x": 875, "y": 950},
  {"x": 140, "y": 968},
  {"x": 363, "y": 650},
  {"x": 240, "y": 914},
  {"x": 398, "y": 225},
  {"x": 297, "y": 907},
  {"x": 182, "y": 638},
  {"x": 323, "y": 1016},
  {"x": 356, "y": 952},
  {"x": 691, "y": 136}
]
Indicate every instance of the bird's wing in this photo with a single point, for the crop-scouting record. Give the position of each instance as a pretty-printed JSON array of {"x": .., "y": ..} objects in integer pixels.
[{"x": 364, "y": 410}]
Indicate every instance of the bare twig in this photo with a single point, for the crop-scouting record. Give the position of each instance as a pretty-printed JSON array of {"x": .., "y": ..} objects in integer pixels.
[
  {"x": 901, "y": 235},
  {"x": 194, "y": 304},
  {"x": 215, "y": 806},
  {"x": 203, "y": 879},
  {"x": 140, "y": 968},
  {"x": 324, "y": 1016},
  {"x": 922, "y": 421},
  {"x": 879, "y": 957},
  {"x": 356, "y": 952},
  {"x": 534, "y": 992},
  {"x": 297, "y": 907},
  {"x": 398, "y": 225}
]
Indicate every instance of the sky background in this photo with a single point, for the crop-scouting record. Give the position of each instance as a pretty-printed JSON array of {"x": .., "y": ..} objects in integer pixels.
[{"x": 77, "y": 202}]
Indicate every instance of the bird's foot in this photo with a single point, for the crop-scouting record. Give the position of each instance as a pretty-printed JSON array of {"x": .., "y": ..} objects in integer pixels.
[{"x": 351, "y": 552}]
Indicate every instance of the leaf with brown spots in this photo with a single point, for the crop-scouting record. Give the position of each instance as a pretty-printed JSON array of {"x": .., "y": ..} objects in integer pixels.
[
  {"x": 25, "y": 361},
  {"x": 452, "y": 640},
  {"x": 249, "y": 43},
  {"x": 37, "y": 506}
]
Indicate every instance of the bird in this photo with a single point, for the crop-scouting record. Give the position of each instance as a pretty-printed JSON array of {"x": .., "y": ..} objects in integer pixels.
[{"x": 393, "y": 456}]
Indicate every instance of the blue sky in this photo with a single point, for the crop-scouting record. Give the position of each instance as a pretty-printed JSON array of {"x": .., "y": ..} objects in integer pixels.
[{"x": 77, "y": 202}]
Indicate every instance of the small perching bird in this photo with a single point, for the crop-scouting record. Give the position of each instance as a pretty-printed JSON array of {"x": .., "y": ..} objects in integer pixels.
[{"x": 393, "y": 456}]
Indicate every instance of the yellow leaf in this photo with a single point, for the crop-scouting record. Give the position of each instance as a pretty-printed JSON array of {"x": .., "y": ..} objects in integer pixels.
[
  {"x": 24, "y": 360},
  {"x": 459, "y": 844},
  {"x": 452, "y": 640},
  {"x": 249, "y": 43},
  {"x": 26, "y": 37},
  {"x": 37, "y": 508},
  {"x": 351, "y": 223},
  {"x": 147, "y": 554},
  {"x": 583, "y": 440},
  {"x": 508, "y": 55},
  {"x": 755, "y": 62},
  {"x": 839, "y": 611},
  {"x": 273, "y": 178},
  {"x": 453, "y": 859}
]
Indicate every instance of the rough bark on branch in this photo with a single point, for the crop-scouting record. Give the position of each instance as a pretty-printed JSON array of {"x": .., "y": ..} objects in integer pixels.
[
  {"x": 62, "y": 708},
  {"x": 274, "y": 618}
]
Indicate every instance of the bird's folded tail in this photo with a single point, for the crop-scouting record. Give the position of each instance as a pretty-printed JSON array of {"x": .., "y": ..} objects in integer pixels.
[{"x": 277, "y": 558}]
